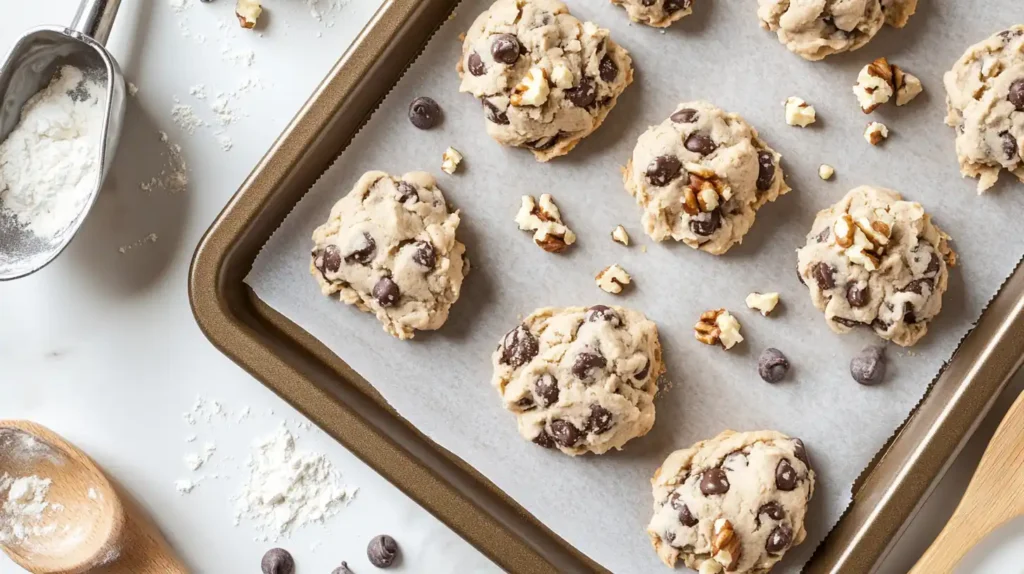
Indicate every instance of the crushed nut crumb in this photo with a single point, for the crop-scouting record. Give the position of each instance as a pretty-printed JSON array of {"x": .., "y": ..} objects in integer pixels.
[
  {"x": 613, "y": 279},
  {"x": 908, "y": 86},
  {"x": 450, "y": 160},
  {"x": 825, "y": 171},
  {"x": 545, "y": 220},
  {"x": 619, "y": 235},
  {"x": 718, "y": 327},
  {"x": 763, "y": 302},
  {"x": 799, "y": 112},
  {"x": 874, "y": 85},
  {"x": 876, "y": 133},
  {"x": 248, "y": 12}
]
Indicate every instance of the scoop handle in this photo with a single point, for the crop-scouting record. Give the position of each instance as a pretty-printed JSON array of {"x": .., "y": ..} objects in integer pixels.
[{"x": 95, "y": 18}]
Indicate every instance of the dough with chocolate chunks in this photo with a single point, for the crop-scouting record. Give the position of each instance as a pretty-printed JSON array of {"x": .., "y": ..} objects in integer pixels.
[{"x": 656, "y": 13}]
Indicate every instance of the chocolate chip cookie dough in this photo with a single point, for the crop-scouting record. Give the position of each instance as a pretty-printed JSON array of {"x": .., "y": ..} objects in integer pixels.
[
  {"x": 580, "y": 379},
  {"x": 545, "y": 79},
  {"x": 701, "y": 175},
  {"x": 738, "y": 499},
  {"x": 875, "y": 260},
  {"x": 985, "y": 102},
  {"x": 389, "y": 248},
  {"x": 814, "y": 29},
  {"x": 657, "y": 13}
]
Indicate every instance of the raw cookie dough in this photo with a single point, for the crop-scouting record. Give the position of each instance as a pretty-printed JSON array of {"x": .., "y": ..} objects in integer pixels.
[
  {"x": 985, "y": 102},
  {"x": 580, "y": 379},
  {"x": 701, "y": 175},
  {"x": 545, "y": 79},
  {"x": 657, "y": 13},
  {"x": 759, "y": 481},
  {"x": 814, "y": 29},
  {"x": 890, "y": 278},
  {"x": 389, "y": 248}
]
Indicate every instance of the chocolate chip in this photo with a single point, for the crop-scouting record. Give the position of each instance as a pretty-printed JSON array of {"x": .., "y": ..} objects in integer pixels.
[
  {"x": 608, "y": 69},
  {"x": 425, "y": 254},
  {"x": 585, "y": 362},
  {"x": 824, "y": 235},
  {"x": 407, "y": 191},
  {"x": 505, "y": 48},
  {"x": 663, "y": 169},
  {"x": 1016, "y": 95},
  {"x": 909, "y": 317},
  {"x": 386, "y": 292},
  {"x": 424, "y": 113},
  {"x": 933, "y": 264},
  {"x": 600, "y": 419},
  {"x": 772, "y": 509},
  {"x": 686, "y": 518},
  {"x": 765, "y": 170},
  {"x": 856, "y": 295},
  {"x": 565, "y": 433},
  {"x": 785, "y": 476},
  {"x": 772, "y": 365},
  {"x": 672, "y": 6},
  {"x": 714, "y": 481},
  {"x": 851, "y": 323},
  {"x": 382, "y": 551},
  {"x": 1009, "y": 145},
  {"x": 641, "y": 375},
  {"x": 363, "y": 254},
  {"x": 518, "y": 347},
  {"x": 779, "y": 539},
  {"x": 277, "y": 561},
  {"x": 544, "y": 439},
  {"x": 343, "y": 569},
  {"x": 493, "y": 114},
  {"x": 800, "y": 452},
  {"x": 822, "y": 273},
  {"x": 583, "y": 95},
  {"x": 330, "y": 259},
  {"x": 543, "y": 143},
  {"x": 799, "y": 276},
  {"x": 706, "y": 223},
  {"x": 684, "y": 116},
  {"x": 700, "y": 143},
  {"x": 546, "y": 388},
  {"x": 602, "y": 313},
  {"x": 918, "y": 286},
  {"x": 476, "y": 65},
  {"x": 868, "y": 367}
]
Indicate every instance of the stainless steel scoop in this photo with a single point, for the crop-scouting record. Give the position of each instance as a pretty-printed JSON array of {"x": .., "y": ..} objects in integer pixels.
[{"x": 29, "y": 67}]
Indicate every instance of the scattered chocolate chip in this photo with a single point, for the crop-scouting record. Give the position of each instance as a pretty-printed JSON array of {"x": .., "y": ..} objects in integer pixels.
[
  {"x": 386, "y": 292},
  {"x": 425, "y": 254},
  {"x": 765, "y": 170},
  {"x": 493, "y": 114},
  {"x": 822, "y": 273},
  {"x": 1016, "y": 95},
  {"x": 585, "y": 362},
  {"x": 476, "y": 64},
  {"x": 518, "y": 347},
  {"x": 505, "y": 48},
  {"x": 700, "y": 143},
  {"x": 785, "y": 476},
  {"x": 800, "y": 452},
  {"x": 684, "y": 116},
  {"x": 686, "y": 518},
  {"x": 773, "y": 510},
  {"x": 382, "y": 551},
  {"x": 343, "y": 569},
  {"x": 424, "y": 113},
  {"x": 1009, "y": 145},
  {"x": 600, "y": 419},
  {"x": 331, "y": 259},
  {"x": 565, "y": 433},
  {"x": 583, "y": 95},
  {"x": 602, "y": 313},
  {"x": 641, "y": 375},
  {"x": 608, "y": 69},
  {"x": 714, "y": 481},
  {"x": 407, "y": 191},
  {"x": 857, "y": 296},
  {"x": 544, "y": 439},
  {"x": 546, "y": 388},
  {"x": 772, "y": 365},
  {"x": 663, "y": 169},
  {"x": 779, "y": 539},
  {"x": 672, "y": 6},
  {"x": 277, "y": 561},
  {"x": 868, "y": 367},
  {"x": 706, "y": 223}
]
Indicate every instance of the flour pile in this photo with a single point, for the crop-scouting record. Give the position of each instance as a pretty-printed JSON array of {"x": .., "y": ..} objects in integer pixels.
[{"x": 23, "y": 505}]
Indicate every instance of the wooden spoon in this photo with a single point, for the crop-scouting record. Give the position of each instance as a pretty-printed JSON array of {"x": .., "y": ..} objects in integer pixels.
[
  {"x": 994, "y": 497},
  {"x": 87, "y": 527}
]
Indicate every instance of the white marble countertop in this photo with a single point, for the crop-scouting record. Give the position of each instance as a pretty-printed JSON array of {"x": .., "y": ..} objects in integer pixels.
[{"x": 101, "y": 346}]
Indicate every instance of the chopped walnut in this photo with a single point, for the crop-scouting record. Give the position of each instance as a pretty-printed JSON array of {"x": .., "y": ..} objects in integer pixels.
[
  {"x": 613, "y": 279},
  {"x": 864, "y": 240},
  {"x": 619, "y": 235},
  {"x": 705, "y": 191},
  {"x": 718, "y": 327},
  {"x": 533, "y": 90},
  {"x": 876, "y": 133},
  {"x": 874, "y": 85},
  {"x": 725, "y": 545},
  {"x": 248, "y": 12},
  {"x": 908, "y": 86},
  {"x": 799, "y": 112},
  {"x": 825, "y": 171},
  {"x": 709, "y": 567},
  {"x": 544, "y": 219},
  {"x": 763, "y": 302},
  {"x": 561, "y": 76},
  {"x": 450, "y": 160}
]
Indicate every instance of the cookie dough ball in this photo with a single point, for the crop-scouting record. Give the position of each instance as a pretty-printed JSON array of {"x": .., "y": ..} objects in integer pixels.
[
  {"x": 657, "y": 13},
  {"x": 389, "y": 248},
  {"x": 814, "y": 29},
  {"x": 545, "y": 79},
  {"x": 760, "y": 482},
  {"x": 985, "y": 102},
  {"x": 875, "y": 260},
  {"x": 700, "y": 177},
  {"x": 580, "y": 379}
]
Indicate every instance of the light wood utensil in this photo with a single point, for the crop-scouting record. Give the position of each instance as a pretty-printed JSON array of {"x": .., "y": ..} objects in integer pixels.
[
  {"x": 994, "y": 497},
  {"x": 96, "y": 530}
]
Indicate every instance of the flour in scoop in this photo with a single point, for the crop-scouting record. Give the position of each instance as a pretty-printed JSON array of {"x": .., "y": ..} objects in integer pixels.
[
  {"x": 22, "y": 506},
  {"x": 50, "y": 163}
]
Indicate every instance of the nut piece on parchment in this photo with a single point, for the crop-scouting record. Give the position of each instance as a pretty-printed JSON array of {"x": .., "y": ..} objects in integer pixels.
[
  {"x": 763, "y": 302},
  {"x": 619, "y": 235},
  {"x": 874, "y": 85},
  {"x": 613, "y": 279},
  {"x": 544, "y": 219},
  {"x": 875, "y": 133},
  {"x": 825, "y": 171},
  {"x": 533, "y": 90},
  {"x": 248, "y": 12},
  {"x": 450, "y": 160},
  {"x": 908, "y": 86},
  {"x": 799, "y": 112},
  {"x": 725, "y": 545},
  {"x": 718, "y": 327}
]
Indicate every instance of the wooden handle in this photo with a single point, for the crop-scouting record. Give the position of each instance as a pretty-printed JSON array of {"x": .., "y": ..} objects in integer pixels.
[{"x": 994, "y": 496}]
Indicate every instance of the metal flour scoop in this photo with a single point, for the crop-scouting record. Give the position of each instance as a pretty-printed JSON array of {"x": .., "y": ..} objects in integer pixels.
[{"x": 29, "y": 67}]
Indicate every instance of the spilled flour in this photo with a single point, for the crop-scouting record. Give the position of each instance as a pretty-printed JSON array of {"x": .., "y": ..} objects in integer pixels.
[{"x": 24, "y": 504}]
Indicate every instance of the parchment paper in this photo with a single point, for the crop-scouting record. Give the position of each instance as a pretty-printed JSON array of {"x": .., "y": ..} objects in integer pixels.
[{"x": 601, "y": 504}]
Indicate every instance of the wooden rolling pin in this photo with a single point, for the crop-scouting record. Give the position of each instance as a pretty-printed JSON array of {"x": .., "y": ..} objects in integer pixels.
[{"x": 994, "y": 497}]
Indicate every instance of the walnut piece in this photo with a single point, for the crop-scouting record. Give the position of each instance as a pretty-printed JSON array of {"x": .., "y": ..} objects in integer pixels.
[
  {"x": 533, "y": 90},
  {"x": 763, "y": 302},
  {"x": 864, "y": 240},
  {"x": 561, "y": 76},
  {"x": 544, "y": 219},
  {"x": 718, "y": 327},
  {"x": 248, "y": 12},
  {"x": 799, "y": 112},
  {"x": 709, "y": 567},
  {"x": 613, "y": 279},
  {"x": 876, "y": 133},
  {"x": 725, "y": 545},
  {"x": 705, "y": 191},
  {"x": 874, "y": 85},
  {"x": 908, "y": 86},
  {"x": 619, "y": 235},
  {"x": 450, "y": 160},
  {"x": 825, "y": 171}
]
